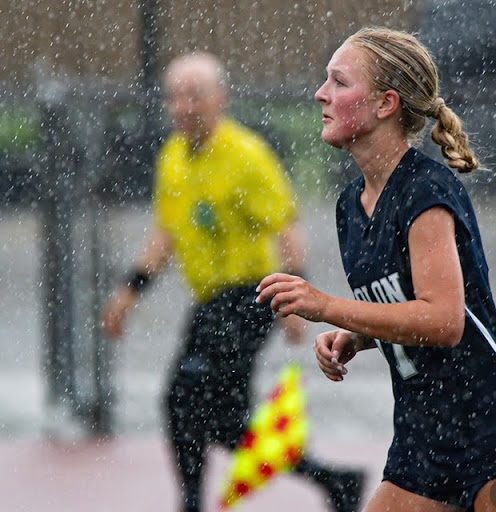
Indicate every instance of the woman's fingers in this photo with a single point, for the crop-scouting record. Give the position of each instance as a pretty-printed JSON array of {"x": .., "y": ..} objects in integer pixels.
[
  {"x": 271, "y": 279},
  {"x": 292, "y": 295},
  {"x": 327, "y": 353},
  {"x": 331, "y": 368},
  {"x": 287, "y": 294}
]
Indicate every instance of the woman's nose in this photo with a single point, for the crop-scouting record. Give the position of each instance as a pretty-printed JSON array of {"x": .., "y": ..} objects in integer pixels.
[{"x": 319, "y": 94}]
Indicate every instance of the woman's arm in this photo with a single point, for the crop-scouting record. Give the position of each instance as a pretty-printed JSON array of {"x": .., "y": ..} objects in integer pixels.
[{"x": 435, "y": 318}]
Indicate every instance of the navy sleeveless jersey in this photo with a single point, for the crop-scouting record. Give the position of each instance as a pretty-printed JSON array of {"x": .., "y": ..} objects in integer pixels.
[{"x": 445, "y": 398}]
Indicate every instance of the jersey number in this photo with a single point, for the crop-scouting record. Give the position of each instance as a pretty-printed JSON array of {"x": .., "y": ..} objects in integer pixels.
[{"x": 404, "y": 364}]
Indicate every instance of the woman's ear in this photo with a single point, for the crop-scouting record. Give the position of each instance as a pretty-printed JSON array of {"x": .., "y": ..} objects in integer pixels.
[{"x": 389, "y": 104}]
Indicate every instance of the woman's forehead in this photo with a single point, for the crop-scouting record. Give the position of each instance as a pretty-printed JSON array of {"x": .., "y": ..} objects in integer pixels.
[{"x": 346, "y": 58}]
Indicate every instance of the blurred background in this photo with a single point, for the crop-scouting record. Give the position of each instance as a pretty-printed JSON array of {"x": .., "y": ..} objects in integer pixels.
[{"x": 81, "y": 119}]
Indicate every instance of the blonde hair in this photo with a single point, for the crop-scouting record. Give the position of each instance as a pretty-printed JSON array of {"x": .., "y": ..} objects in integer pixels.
[{"x": 398, "y": 60}]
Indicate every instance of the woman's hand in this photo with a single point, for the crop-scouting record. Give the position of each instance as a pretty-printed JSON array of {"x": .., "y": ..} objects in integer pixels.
[
  {"x": 292, "y": 295},
  {"x": 333, "y": 350}
]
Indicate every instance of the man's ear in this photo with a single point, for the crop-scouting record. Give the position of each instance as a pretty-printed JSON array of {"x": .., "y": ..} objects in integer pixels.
[
  {"x": 223, "y": 99},
  {"x": 389, "y": 104}
]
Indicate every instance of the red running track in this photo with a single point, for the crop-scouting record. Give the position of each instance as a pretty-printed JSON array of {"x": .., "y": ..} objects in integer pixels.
[{"x": 134, "y": 474}]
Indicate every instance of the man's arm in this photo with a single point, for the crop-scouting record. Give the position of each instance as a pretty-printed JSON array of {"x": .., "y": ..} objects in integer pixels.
[
  {"x": 157, "y": 251},
  {"x": 292, "y": 250}
]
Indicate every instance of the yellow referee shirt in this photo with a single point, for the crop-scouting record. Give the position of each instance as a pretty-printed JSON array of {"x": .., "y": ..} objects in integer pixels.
[{"x": 224, "y": 206}]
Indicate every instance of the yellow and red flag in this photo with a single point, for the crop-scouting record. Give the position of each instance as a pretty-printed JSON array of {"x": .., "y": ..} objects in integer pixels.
[{"x": 274, "y": 440}]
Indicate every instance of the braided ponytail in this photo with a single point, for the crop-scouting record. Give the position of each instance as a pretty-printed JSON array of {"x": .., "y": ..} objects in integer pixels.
[{"x": 448, "y": 133}]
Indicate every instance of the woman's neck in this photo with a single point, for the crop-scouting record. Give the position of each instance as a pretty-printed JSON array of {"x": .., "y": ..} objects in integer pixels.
[{"x": 377, "y": 162}]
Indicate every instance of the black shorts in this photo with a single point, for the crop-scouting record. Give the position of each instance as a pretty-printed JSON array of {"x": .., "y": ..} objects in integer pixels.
[
  {"x": 452, "y": 478},
  {"x": 464, "y": 498},
  {"x": 211, "y": 381}
]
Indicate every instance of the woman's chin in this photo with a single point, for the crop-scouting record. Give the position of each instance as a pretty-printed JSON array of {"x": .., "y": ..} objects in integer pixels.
[{"x": 332, "y": 141}]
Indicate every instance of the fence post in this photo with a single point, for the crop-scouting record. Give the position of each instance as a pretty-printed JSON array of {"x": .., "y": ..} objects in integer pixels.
[
  {"x": 55, "y": 170},
  {"x": 77, "y": 360}
]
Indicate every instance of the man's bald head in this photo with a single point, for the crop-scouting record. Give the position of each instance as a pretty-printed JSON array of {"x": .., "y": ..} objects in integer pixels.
[
  {"x": 206, "y": 65},
  {"x": 195, "y": 90}
]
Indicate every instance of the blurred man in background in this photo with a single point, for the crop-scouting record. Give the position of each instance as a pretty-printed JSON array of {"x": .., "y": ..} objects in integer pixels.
[{"x": 225, "y": 209}]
